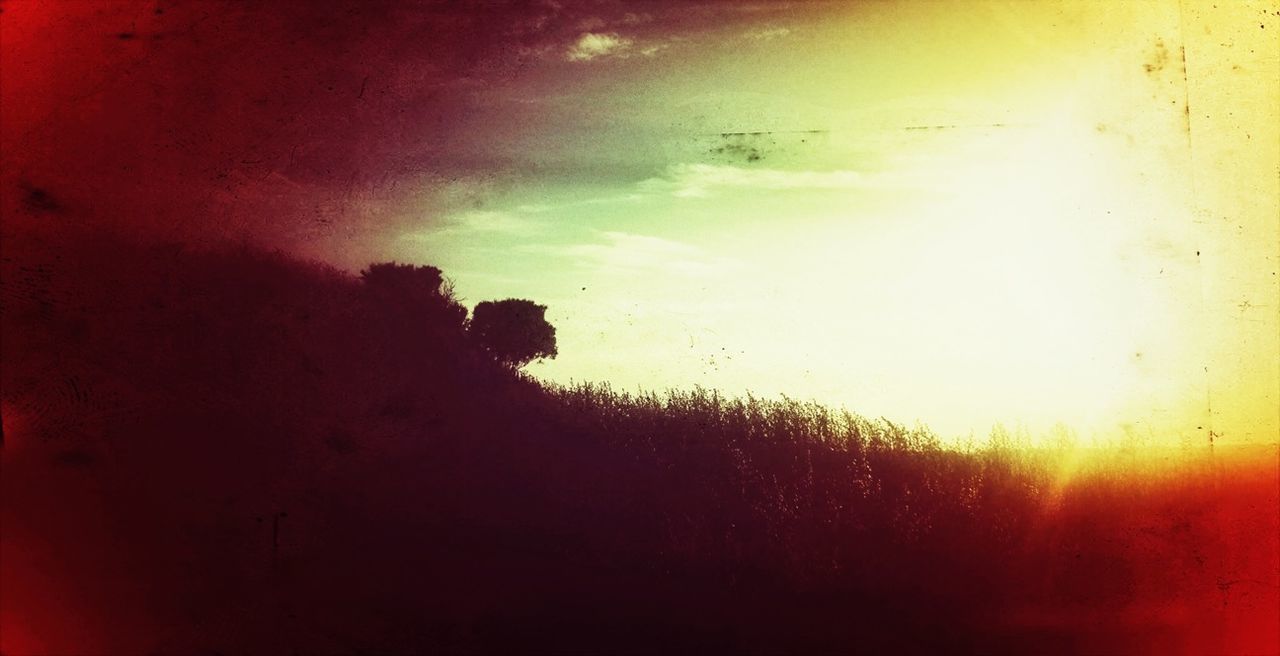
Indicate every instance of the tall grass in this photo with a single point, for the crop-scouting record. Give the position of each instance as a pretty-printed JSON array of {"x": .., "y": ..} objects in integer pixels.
[
  {"x": 826, "y": 499},
  {"x": 256, "y": 456}
]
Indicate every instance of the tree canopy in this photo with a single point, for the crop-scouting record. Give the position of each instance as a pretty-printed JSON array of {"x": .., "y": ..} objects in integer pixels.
[
  {"x": 514, "y": 331},
  {"x": 413, "y": 288},
  {"x": 409, "y": 280}
]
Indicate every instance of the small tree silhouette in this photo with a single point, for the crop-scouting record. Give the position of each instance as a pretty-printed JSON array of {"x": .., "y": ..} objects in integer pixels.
[{"x": 514, "y": 331}]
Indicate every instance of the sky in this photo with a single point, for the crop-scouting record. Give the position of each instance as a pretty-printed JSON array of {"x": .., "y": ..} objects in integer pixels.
[{"x": 958, "y": 214}]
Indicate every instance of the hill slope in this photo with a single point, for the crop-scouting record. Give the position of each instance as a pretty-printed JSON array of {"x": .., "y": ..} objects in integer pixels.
[{"x": 233, "y": 452}]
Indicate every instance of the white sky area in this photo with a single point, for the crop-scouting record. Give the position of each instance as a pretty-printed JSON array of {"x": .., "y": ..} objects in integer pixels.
[{"x": 1001, "y": 216}]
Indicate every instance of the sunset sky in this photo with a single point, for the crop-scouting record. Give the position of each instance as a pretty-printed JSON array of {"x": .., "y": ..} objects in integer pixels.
[{"x": 954, "y": 213}]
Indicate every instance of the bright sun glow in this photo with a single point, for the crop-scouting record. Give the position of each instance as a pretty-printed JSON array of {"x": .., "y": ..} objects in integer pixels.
[
  {"x": 1010, "y": 294},
  {"x": 1041, "y": 231},
  {"x": 1035, "y": 289}
]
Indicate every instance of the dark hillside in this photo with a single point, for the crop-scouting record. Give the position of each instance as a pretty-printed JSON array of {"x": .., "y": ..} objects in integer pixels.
[{"x": 229, "y": 451}]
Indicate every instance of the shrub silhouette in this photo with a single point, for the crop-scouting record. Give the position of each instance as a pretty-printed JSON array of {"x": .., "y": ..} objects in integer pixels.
[
  {"x": 514, "y": 331},
  {"x": 413, "y": 289},
  {"x": 426, "y": 279}
]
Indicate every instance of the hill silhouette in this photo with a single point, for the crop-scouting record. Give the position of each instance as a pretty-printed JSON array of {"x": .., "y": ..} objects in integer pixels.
[{"x": 231, "y": 451}]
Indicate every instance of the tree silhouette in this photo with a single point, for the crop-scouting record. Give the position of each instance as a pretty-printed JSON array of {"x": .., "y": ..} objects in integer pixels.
[
  {"x": 413, "y": 289},
  {"x": 514, "y": 331}
]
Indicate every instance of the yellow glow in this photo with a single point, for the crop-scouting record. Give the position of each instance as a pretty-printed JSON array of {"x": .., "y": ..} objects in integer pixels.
[
  {"x": 1022, "y": 291},
  {"x": 1023, "y": 213}
]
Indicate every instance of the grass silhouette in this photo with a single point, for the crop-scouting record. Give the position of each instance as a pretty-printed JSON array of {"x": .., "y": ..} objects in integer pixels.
[{"x": 232, "y": 451}]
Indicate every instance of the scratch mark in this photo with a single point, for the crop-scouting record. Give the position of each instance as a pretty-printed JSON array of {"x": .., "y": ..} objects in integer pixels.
[
  {"x": 1186, "y": 95},
  {"x": 1159, "y": 58},
  {"x": 762, "y": 133},
  {"x": 957, "y": 126}
]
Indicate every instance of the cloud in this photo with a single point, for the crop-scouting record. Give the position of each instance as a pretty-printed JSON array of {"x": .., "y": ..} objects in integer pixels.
[
  {"x": 493, "y": 222},
  {"x": 629, "y": 253},
  {"x": 652, "y": 49},
  {"x": 697, "y": 180},
  {"x": 767, "y": 33},
  {"x": 342, "y": 116},
  {"x": 477, "y": 224},
  {"x": 338, "y": 110},
  {"x": 538, "y": 208},
  {"x": 592, "y": 45}
]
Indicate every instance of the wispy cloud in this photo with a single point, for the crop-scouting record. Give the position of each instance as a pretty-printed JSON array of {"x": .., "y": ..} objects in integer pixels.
[
  {"x": 478, "y": 223},
  {"x": 538, "y": 208},
  {"x": 696, "y": 180},
  {"x": 766, "y": 33},
  {"x": 652, "y": 49},
  {"x": 594, "y": 45},
  {"x": 629, "y": 253},
  {"x": 592, "y": 23},
  {"x": 591, "y": 46}
]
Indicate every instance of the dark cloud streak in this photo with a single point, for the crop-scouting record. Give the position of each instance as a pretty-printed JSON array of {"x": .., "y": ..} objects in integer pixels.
[
  {"x": 255, "y": 112},
  {"x": 314, "y": 126}
]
